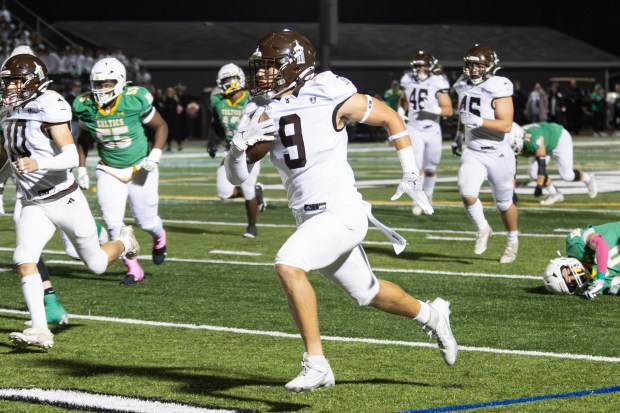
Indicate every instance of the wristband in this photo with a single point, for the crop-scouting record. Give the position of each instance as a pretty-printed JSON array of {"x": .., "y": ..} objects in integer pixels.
[{"x": 407, "y": 160}]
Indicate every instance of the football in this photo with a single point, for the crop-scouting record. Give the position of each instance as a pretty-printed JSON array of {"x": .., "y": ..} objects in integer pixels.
[{"x": 258, "y": 151}]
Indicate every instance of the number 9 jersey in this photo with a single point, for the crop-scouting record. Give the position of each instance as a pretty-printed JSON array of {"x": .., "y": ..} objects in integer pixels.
[
  {"x": 120, "y": 137},
  {"x": 308, "y": 150}
]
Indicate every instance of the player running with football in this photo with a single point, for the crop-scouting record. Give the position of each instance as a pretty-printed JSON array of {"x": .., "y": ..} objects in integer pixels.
[
  {"x": 425, "y": 100},
  {"x": 486, "y": 111},
  {"x": 311, "y": 112},
  {"x": 226, "y": 113},
  {"x": 113, "y": 114},
  {"x": 42, "y": 153}
]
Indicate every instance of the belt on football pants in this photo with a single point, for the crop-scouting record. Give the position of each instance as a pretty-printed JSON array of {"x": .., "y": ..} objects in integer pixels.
[
  {"x": 487, "y": 148},
  {"x": 315, "y": 207}
]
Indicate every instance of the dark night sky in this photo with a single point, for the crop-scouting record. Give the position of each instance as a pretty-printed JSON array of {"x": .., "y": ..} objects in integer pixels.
[{"x": 594, "y": 22}]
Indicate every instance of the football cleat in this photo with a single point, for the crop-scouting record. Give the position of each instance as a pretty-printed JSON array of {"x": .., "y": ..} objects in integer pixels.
[
  {"x": 440, "y": 315},
  {"x": 159, "y": 248},
  {"x": 54, "y": 311},
  {"x": 135, "y": 273},
  {"x": 33, "y": 336},
  {"x": 510, "y": 253},
  {"x": 262, "y": 204},
  {"x": 592, "y": 187},
  {"x": 553, "y": 199},
  {"x": 482, "y": 239},
  {"x": 250, "y": 231},
  {"x": 128, "y": 238},
  {"x": 416, "y": 210},
  {"x": 313, "y": 376}
]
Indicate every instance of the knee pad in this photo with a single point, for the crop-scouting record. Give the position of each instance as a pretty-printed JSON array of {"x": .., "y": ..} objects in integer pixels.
[
  {"x": 23, "y": 254},
  {"x": 363, "y": 298},
  {"x": 504, "y": 204}
]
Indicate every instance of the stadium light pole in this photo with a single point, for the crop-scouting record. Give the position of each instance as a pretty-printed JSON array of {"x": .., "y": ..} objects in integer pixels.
[{"x": 328, "y": 32}]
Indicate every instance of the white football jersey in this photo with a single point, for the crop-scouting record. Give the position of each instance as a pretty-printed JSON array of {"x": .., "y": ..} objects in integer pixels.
[
  {"x": 309, "y": 152},
  {"x": 478, "y": 99},
  {"x": 423, "y": 94},
  {"x": 27, "y": 135}
]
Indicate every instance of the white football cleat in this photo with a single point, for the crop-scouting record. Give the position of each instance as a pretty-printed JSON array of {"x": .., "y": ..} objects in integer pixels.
[
  {"x": 482, "y": 240},
  {"x": 128, "y": 238},
  {"x": 510, "y": 253},
  {"x": 33, "y": 336},
  {"x": 592, "y": 187},
  {"x": 440, "y": 315},
  {"x": 416, "y": 210},
  {"x": 553, "y": 199},
  {"x": 313, "y": 376}
]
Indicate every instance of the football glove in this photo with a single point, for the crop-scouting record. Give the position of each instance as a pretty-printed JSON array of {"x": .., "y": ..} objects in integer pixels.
[
  {"x": 82, "y": 175},
  {"x": 249, "y": 131},
  {"x": 471, "y": 120},
  {"x": 538, "y": 191},
  {"x": 152, "y": 160},
  {"x": 411, "y": 185},
  {"x": 211, "y": 150},
  {"x": 457, "y": 144},
  {"x": 594, "y": 289}
]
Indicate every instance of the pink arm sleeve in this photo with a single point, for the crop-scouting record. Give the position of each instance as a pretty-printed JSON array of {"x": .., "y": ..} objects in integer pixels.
[{"x": 602, "y": 252}]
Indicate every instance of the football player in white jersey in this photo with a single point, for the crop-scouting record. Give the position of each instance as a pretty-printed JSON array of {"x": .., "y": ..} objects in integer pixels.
[
  {"x": 485, "y": 114},
  {"x": 42, "y": 153},
  {"x": 309, "y": 149},
  {"x": 425, "y": 100}
]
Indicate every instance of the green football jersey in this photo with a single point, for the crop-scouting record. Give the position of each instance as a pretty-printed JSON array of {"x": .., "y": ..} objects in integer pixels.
[
  {"x": 577, "y": 248},
  {"x": 229, "y": 112},
  {"x": 120, "y": 137},
  {"x": 549, "y": 131}
]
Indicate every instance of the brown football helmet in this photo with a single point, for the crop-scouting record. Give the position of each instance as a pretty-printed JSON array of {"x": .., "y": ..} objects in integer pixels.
[
  {"x": 32, "y": 73},
  {"x": 285, "y": 59},
  {"x": 423, "y": 65},
  {"x": 480, "y": 64}
]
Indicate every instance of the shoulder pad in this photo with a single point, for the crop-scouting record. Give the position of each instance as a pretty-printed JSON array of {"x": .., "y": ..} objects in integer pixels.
[
  {"x": 498, "y": 86},
  {"x": 53, "y": 107},
  {"x": 330, "y": 86}
]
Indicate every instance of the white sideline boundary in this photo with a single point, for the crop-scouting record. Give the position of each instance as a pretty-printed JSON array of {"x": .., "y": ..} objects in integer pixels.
[{"x": 233, "y": 330}]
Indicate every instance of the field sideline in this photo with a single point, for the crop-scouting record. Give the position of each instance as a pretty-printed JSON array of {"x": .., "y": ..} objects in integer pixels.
[{"x": 210, "y": 331}]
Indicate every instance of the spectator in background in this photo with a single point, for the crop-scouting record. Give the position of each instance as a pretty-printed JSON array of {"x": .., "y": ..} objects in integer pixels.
[
  {"x": 392, "y": 96},
  {"x": 519, "y": 101},
  {"x": 574, "y": 109},
  {"x": 557, "y": 107},
  {"x": 536, "y": 106},
  {"x": 184, "y": 100},
  {"x": 616, "y": 110},
  {"x": 5, "y": 13},
  {"x": 170, "y": 108},
  {"x": 143, "y": 77},
  {"x": 598, "y": 106}
]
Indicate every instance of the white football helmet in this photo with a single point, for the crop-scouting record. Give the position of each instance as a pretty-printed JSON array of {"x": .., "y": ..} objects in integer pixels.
[
  {"x": 230, "y": 79},
  {"x": 108, "y": 68},
  {"x": 515, "y": 138},
  {"x": 564, "y": 275}
]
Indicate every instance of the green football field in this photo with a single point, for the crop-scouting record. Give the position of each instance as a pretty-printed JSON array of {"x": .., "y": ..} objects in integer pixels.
[{"x": 210, "y": 331}]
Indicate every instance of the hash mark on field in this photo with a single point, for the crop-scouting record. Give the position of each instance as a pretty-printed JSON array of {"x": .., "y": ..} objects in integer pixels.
[{"x": 226, "y": 252}]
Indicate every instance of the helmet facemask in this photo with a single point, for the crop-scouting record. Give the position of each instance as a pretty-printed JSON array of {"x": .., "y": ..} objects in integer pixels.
[
  {"x": 107, "y": 80},
  {"x": 24, "y": 77},
  {"x": 282, "y": 62},
  {"x": 565, "y": 275},
  {"x": 230, "y": 79},
  {"x": 480, "y": 64},
  {"x": 423, "y": 65}
]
